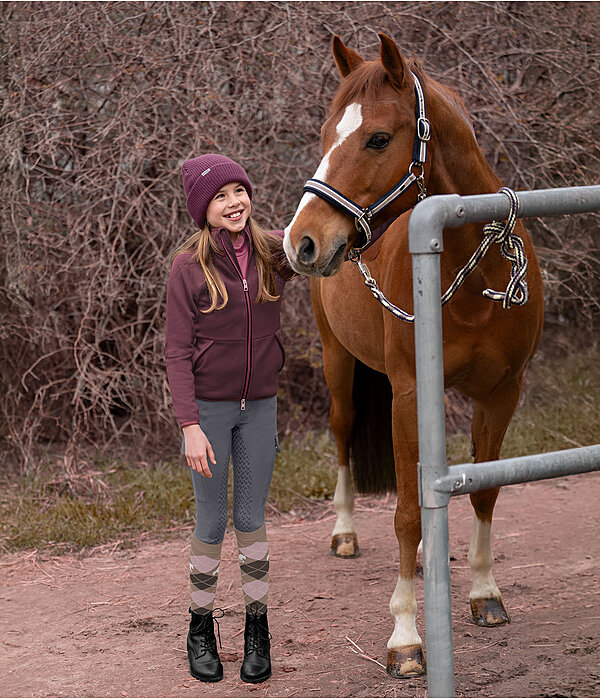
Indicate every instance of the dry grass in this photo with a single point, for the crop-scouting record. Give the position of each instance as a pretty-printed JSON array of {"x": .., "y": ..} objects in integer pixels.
[{"x": 120, "y": 503}]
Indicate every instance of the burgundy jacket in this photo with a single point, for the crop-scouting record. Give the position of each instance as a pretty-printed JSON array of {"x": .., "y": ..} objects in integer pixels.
[{"x": 234, "y": 353}]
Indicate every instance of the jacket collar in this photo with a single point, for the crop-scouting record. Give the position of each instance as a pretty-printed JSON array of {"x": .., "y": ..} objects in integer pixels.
[{"x": 223, "y": 237}]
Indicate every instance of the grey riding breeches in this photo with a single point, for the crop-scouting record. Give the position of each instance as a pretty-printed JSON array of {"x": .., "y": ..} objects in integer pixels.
[{"x": 249, "y": 437}]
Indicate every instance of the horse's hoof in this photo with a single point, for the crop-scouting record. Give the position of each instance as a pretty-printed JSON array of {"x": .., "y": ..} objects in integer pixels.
[
  {"x": 488, "y": 612},
  {"x": 345, "y": 545},
  {"x": 405, "y": 662}
]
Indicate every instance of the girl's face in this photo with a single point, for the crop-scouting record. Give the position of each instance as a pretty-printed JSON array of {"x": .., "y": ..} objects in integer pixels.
[{"x": 229, "y": 208}]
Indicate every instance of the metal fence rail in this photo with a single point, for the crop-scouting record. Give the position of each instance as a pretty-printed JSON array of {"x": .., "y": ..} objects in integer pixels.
[{"x": 437, "y": 481}]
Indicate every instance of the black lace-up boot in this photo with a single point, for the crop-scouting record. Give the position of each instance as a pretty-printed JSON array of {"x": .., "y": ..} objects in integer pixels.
[
  {"x": 203, "y": 656},
  {"x": 256, "y": 667}
]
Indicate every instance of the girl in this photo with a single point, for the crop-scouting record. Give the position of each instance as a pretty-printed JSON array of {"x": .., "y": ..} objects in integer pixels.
[{"x": 223, "y": 355}]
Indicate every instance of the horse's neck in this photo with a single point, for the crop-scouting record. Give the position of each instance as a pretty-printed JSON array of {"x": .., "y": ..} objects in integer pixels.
[{"x": 458, "y": 165}]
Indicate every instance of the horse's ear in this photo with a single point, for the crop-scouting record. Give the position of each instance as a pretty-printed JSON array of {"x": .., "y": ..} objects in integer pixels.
[
  {"x": 346, "y": 59},
  {"x": 393, "y": 62}
]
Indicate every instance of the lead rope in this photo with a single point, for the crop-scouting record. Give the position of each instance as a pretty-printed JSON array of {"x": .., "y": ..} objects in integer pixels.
[{"x": 511, "y": 247}]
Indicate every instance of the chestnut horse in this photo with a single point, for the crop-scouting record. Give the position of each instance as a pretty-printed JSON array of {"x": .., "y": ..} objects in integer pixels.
[{"x": 368, "y": 354}]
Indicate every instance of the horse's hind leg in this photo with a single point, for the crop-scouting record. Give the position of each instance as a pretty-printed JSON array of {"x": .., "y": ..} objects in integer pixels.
[
  {"x": 490, "y": 421},
  {"x": 338, "y": 368}
]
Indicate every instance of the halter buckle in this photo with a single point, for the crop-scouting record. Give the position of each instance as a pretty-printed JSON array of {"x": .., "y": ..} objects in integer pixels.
[{"x": 423, "y": 129}]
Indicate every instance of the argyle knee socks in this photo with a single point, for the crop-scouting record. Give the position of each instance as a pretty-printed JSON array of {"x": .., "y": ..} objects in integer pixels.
[
  {"x": 254, "y": 567},
  {"x": 205, "y": 560}
]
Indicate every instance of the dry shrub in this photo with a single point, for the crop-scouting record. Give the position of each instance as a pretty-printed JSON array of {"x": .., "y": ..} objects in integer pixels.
[{"x": 102, "y": 102}]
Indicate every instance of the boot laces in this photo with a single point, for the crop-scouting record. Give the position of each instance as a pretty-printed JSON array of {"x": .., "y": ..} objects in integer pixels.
[
  {"x": 258, "y": 635},
  {"x": 207, "y": 642}
]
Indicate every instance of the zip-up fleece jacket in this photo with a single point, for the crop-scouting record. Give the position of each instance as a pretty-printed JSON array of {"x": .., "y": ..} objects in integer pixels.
[{"x": 234, "y": 353}]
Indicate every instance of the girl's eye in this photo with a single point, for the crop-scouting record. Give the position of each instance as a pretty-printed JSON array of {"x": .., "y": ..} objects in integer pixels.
[{"x": 378, "y": 141}]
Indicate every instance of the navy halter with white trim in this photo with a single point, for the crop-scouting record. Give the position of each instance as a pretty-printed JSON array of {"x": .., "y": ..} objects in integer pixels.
[{"x": 362, "y": 216}]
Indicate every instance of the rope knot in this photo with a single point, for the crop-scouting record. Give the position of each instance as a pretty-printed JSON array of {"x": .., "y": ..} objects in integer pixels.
[{"x": 513, "y": 250}]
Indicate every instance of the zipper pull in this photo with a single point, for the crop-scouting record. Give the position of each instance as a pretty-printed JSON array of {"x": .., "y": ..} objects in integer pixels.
[
  {"x": 243, "y": 407},
  {"x": 245, "y": 285}
]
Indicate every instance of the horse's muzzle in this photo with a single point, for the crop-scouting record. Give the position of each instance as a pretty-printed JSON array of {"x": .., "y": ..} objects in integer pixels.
[{"x": 310, "y": 260}]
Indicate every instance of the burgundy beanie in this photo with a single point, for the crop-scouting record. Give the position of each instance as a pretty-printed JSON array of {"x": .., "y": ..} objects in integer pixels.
[{"x": 204, "y": 176}]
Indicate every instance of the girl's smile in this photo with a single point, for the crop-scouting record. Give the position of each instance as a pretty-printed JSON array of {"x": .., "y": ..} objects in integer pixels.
[{"x": 229, "y": 208}]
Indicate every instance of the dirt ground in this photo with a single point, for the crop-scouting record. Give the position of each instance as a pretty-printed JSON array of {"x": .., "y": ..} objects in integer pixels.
[{"x": 114, "y": 623}]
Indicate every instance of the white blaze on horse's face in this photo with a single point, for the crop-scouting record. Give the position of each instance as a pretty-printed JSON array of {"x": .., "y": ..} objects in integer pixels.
[{"x": 348, "y": 124}]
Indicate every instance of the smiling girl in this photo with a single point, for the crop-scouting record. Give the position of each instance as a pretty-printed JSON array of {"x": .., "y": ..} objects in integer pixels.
[{"x": 223, "y": 354}]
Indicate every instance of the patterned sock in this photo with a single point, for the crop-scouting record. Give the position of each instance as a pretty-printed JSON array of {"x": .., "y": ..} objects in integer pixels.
[
  {"x": 205, "y": 560},
  {"x": 254, "y": 566}
]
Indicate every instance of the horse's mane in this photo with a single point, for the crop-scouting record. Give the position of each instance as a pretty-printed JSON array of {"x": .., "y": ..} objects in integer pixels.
[{"x": 368, "y": 81}]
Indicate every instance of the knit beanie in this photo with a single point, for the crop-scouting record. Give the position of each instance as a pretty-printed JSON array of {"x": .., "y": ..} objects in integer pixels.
[{"x": 204, "y": 176}]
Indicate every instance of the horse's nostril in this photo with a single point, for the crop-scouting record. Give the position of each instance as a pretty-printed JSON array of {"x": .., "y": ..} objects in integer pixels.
[{"x": 306, "y": 249}]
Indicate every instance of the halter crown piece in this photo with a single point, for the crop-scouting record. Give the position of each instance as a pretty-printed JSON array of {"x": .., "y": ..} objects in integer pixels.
[{"x": 362, "y": 216}]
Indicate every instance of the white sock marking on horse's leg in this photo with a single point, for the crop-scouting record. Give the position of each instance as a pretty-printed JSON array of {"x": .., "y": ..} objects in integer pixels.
[
  {"x": 349, "y": 122},
  {"x": 481, "y": 560},
  {"x": 403, "y": 606},
  {"x": 343, "y": 502}
]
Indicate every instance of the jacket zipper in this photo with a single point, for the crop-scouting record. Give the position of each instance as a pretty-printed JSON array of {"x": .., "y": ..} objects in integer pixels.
[{"x": 248, "y": 327}]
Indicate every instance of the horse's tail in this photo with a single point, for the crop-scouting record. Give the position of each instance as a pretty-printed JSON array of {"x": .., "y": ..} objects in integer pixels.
[{"x": 371, "y": 442}]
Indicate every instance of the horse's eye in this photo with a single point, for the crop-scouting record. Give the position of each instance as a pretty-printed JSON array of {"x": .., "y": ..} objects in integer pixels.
[{"x": 378, "y": 141}]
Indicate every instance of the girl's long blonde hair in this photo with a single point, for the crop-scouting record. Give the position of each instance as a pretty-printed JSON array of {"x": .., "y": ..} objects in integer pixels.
[{"x": 203, "y": 246}]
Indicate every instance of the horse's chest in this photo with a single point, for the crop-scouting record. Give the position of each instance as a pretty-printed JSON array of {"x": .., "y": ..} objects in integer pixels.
[{"x": 353, "y": 315}]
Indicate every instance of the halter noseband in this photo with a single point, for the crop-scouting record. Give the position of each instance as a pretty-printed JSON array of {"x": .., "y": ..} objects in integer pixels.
[{"x": 362, "y": 216}]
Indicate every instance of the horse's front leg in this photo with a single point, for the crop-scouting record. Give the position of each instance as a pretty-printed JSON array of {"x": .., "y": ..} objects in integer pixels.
[
  {"x": 490, "y": 421},
  {"x": 339, "y": 372},
  {"x": 405, "y": 648},
  {"x": 338, "y": 368}
]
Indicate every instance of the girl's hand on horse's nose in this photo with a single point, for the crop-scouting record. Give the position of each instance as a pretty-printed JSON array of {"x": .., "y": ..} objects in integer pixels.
[{"x": 198, "y": 450}]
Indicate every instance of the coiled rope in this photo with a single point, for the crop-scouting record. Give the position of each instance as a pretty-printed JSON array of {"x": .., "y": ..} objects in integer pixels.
[{"x": 511, "y": 247}]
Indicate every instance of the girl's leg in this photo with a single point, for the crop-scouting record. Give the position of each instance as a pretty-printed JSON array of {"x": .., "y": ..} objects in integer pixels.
[
  {"x": 216, "y": 420},
  {"x": 254, "y": 444}
]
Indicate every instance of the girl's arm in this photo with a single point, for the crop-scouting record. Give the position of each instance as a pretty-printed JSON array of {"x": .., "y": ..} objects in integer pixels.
[{"x": 180, "y": 333}]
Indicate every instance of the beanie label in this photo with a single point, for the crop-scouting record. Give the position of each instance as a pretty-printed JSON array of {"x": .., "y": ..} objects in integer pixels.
[{"x": 205, "y": 172}]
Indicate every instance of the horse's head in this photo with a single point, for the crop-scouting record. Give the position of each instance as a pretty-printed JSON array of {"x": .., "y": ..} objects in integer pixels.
[{"x": 368, "y": 143}]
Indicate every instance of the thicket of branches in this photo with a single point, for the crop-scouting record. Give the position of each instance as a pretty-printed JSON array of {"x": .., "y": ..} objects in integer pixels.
[{"x": 102, "y": 102}]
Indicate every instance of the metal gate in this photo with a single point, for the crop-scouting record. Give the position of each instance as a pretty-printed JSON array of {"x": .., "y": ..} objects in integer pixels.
[{"x": 437, "y": 480}]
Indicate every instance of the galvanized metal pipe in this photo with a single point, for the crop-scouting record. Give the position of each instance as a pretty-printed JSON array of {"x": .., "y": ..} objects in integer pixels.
[
  {"x": 436, "y": 481},
  {"x": 432, "y": 466},
  {"x": 468, "y": 478}
]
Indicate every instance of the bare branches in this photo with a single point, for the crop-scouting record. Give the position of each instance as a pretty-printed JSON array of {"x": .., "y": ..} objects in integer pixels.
[{"x": 101, "y": 103}]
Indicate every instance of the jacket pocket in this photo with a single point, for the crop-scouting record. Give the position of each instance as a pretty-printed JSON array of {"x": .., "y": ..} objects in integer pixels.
[
  {"x": 220, "y": 370},
  {"x": 267, "y": 361},
  {"x": 201, "y": 347}
]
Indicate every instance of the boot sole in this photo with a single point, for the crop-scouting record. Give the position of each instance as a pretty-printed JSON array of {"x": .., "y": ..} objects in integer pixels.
[
  {"x": 206, "y": 680},
  {"x": 262, "y": 679}
]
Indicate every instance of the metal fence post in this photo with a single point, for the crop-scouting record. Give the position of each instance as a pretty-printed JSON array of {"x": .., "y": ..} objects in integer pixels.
[{"x": 425, "y": 247}]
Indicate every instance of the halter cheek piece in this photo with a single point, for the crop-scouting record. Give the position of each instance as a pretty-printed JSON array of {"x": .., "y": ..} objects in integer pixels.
[{"x": 362, "y": 216}]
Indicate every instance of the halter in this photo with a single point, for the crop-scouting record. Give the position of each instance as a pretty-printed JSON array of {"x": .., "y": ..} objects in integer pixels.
[{"x": 362, "y": 216}]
